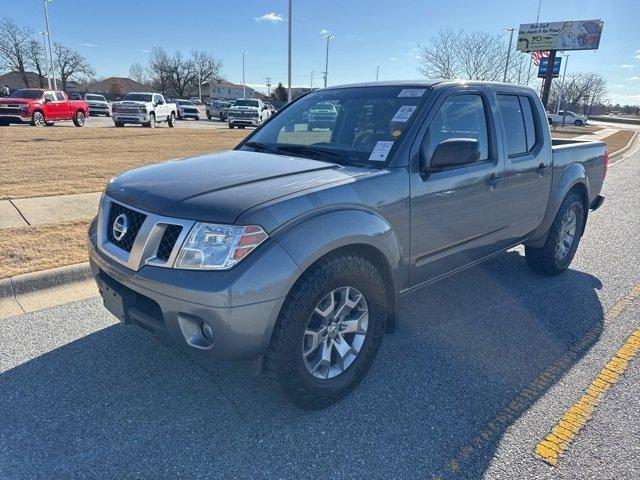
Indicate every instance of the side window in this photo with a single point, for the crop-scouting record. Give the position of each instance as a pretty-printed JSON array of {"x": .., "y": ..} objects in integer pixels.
[
  {"x": 513, "y": 122},
  {"x": 460, "y": 116},
  {"x": 529, "y": 122},
  {"x": 49, "y": 96},
  {"x": 60, "y": 96},
  {"x": 157, "y": 99}
]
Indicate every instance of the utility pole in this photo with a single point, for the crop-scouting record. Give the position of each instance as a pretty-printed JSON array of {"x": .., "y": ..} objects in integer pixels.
[
  {"x": 564, "y": 74},
  {"x": 326, "y": 62},
  {"x": 46, "y": 57},
  {"x": 531, "y": 58},
  {"x": 377, "y": 71},
  {"x": 53, "y": 68},
  {"x": 506, "y": 67},
  {"x": 244, "y": 86},
  {"x": 289, "y": 66},
  {"x": 200, "y": 86},
  {"x": 267, "y": 81}
]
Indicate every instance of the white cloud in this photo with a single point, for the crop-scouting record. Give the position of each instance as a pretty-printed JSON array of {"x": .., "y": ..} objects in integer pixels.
[
  {"x": 88, "y": 44},
  {"x": 633, "y": 78},
  {"x": 270, "y": 17},
  {"x": 145, "y": 51},
  {"x": 626, "y": 65},
  {"x": 393, "y": 59}
]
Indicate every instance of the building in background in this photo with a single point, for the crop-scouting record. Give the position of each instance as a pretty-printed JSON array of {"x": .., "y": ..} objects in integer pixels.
[
  {"x": 114, "y": 87},
  {"x": 229, "y": 91}
]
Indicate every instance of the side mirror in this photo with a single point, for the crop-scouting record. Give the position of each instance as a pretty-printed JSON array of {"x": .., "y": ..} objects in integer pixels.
[{"x": 454, "y": 152}]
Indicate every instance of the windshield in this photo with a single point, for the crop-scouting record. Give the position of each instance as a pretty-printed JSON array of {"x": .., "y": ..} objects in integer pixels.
[
  {"x": 137, "y": 97},
  {"x": 26, "y": 93},
  {"x": 357, "y": 125},
  {"x": 99, "y": 98},
  {"x": 246, "y": 103},
  {"x": 184, "y": 102}
]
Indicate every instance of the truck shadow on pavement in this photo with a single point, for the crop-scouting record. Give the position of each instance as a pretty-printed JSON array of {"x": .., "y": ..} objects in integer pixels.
[{"x": 117, "y": 403}]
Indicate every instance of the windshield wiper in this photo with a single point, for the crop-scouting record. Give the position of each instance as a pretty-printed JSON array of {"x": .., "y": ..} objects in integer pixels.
[
  {"x": 313, "y": 151},
  {"x": 263, "y": 147}
]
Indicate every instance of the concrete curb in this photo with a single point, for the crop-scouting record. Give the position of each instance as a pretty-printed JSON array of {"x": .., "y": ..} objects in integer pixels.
[
  {"x": 34, "y": 291},
  {"x": 625, "y": 148}
]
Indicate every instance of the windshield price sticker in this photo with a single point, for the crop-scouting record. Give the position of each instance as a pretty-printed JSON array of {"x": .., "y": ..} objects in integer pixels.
[
  {"x": 380, "y": 151},
  {"x": 412, "y": 92},
  {"x": 403, "y": 113}
]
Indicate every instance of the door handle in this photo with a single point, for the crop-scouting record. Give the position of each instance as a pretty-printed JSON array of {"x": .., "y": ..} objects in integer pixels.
[
  {"x": 493, "y": 181},
  {"x": 541, "y": 168}
]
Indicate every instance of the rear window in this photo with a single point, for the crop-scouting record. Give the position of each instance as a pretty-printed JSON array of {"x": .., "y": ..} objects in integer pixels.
[
  {"x": 529, "y": 122},
  {"x": 513, "y": 122},
  {"x": 99, "y": 98},
  {"x": 137, "y": 97}
]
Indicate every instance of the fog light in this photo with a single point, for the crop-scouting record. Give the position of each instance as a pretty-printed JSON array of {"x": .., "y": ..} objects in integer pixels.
[{"x": 206, "y": 331}]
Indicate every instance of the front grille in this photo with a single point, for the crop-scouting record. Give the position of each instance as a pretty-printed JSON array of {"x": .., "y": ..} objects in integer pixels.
[
  {"x": 135, "y": 221},
  {"x": 10, "y": 110},
  {"x": 168, "y": 241}
]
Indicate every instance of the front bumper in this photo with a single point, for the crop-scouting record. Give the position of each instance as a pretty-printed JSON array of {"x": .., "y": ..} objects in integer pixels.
[
  {"x": 189, "y": 114},
  {"x": 240, "y": 305},
  {"x": 253, "y": 121},
  {"x": 130, "y": 117},
  {"x": 102, "y": 109},
  {"x": 17, "y": 117}
]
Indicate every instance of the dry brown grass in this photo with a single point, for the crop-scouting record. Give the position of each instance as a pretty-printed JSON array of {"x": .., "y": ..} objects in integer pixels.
[
  {"x": 53, "y": 161},
  {"x": 29, "y": 249},
  {"x": 618, "y": 140}
]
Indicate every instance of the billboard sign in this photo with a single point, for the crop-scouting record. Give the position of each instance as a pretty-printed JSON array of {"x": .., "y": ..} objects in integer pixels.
[
  {"x": 544, "y": 64},
  {"x": 575, "y": 35}
]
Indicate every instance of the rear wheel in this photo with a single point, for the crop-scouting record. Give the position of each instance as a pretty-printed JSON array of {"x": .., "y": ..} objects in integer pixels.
[
  {"x": 230, "y": 126},
  {"x": 558, "y": 251},
  {"x": 328, "y": 331},
  {"x": 108, "y": 114},
  {"x": 197, "y": 119},
  {"x": 78, "y": 119},
  {"x": 208, "y": 116},
  {"x": 37, "y": 119}
]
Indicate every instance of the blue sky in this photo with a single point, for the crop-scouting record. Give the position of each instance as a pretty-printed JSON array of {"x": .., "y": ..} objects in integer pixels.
[{"x": 112, "y": 34}]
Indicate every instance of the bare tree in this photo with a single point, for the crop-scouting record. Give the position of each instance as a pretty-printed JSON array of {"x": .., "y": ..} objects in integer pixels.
[
  {"x": 139, "y": 73},
  {"x": 70, "y": 64},
  {"x": 207, "y": 67},
  {"x": 14, "y": 42},
  {"x": 472, "y": 56},
  {"x": 182, "y": 73},
  {"x": 35, "y": 56},
  {"x": 158, "y": 70},
  {"x": 581, "y": 92}
]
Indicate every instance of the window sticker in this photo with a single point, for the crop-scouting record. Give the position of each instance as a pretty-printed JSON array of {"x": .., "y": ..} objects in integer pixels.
[
  {"x": 412, "y": 92},
  {"x": 403, "y": 113},
  {"x": 380, "y": 151}
]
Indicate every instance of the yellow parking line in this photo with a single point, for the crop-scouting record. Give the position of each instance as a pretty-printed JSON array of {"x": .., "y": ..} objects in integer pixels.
[{"x": 565, "y": 431}]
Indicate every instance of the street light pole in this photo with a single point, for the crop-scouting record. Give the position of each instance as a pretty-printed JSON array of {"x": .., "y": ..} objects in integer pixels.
[
  {"x": 289, "y": 66},
  {"x": 53, "y": 69},
  {"x": 200, "y": 86},
  {"x": 326, "y": 62},
  {"x": 244, "y": 86},
  {"x": 46, "y": 57},
  {"x": 564, "y": 74},
  {"x": 506, "y": 67},
  {"x": 377, "y": 71}
]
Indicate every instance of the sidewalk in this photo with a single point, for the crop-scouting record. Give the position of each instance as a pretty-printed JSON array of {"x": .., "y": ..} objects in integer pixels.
[
  {"x": 23, "y": 212},
  {"x": 599, "y": 135}
]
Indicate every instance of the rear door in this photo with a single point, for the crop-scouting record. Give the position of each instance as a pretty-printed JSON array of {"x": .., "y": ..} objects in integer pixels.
[
  {"x": 528, "y": 167},
  {"x": 457, "y": 213}
]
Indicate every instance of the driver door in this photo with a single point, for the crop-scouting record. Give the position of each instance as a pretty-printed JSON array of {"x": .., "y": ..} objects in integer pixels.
[
  {"x": 456, "y": 212},
  {"x": 161, "y": 107}
]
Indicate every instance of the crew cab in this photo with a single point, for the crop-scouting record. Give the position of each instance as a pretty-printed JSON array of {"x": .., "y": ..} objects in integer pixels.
[
  {"x": 247, "y": 112},
  {"x": 292, "y": 251},
  {"x": 98, "y": 105},
  {"x": 322, "y": 115},
  {"x": 143, "y": 108},
  {"x": 567, "y": 118},
  {"x": 40, "y": 107},
  {"x": 218, "y": 109}
]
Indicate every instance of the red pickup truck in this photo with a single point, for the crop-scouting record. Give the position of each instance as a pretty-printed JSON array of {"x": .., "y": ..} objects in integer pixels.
[{"x": 41, "y": 107}]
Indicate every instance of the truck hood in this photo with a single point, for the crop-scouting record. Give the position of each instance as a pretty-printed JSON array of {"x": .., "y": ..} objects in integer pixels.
[
  {"x": 14, "y": 101},
  {"x": 219, "y": 187},
  {"x": 132, "y": 103}
]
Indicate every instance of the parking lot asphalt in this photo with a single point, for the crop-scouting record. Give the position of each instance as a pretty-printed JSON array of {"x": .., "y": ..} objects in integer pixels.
[{"x": 464, "y": 389}]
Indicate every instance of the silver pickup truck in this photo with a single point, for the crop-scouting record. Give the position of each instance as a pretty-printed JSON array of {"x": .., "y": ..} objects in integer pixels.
[{"x": 292, "y": 250}]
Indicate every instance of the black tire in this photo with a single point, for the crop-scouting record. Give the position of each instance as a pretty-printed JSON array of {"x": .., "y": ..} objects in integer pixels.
[
  {"x": 221, "y": 116},
  {"x": 171, "y": 120},
  {"x": 119, "y": 124},
  {"x": 309, "y": 127},
  {"x": 578, "y": 123},
  {"x": 108, "y": 114},
  {"x": 152, "y": 121},
  {"x": 38, "y": 120},
  {"x": 550, "y": 121},
  {"x": 230, "y": 126},
  {"x": 546, "y": 260},
  {"x": 208, "y": 116},
  {"x": 284, "y": 366},
  {"x": 78, "y": 119},
  {"x": 49, "y": 124},
  {"x": 197, "y": 119}
]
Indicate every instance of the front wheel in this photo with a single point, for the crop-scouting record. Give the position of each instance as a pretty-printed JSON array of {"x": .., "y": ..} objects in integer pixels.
[
  {"x": 578, "y": 123},
  {"x": 328, "y": 331},
  {"x": 37, "y": 119},
  {"x": 152, "y": 121},
  {"x": 119, "y": 124},
  {"x": 78, "y": 119},
  {"x": 558, "y": 251},
  {"x": 231, "y": 126},
  {"x": 171, "y": 121}
]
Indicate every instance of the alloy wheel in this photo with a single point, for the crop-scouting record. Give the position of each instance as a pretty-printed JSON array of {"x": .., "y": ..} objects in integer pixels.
[{"x": 567, "y": 234}]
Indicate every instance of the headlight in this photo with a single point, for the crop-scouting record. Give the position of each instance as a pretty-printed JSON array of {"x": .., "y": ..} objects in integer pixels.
[
  {"x": 210, "y": 246},
  {"x": 22, "y": 106},
  {"x": 143, "y": 109}
]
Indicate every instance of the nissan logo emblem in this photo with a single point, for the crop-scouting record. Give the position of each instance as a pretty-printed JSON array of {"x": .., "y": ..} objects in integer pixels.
[{"x": 120, "y": 226}]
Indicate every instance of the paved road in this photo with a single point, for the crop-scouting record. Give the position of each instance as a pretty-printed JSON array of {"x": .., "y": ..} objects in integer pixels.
[{"x": 84, "y": 396}]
